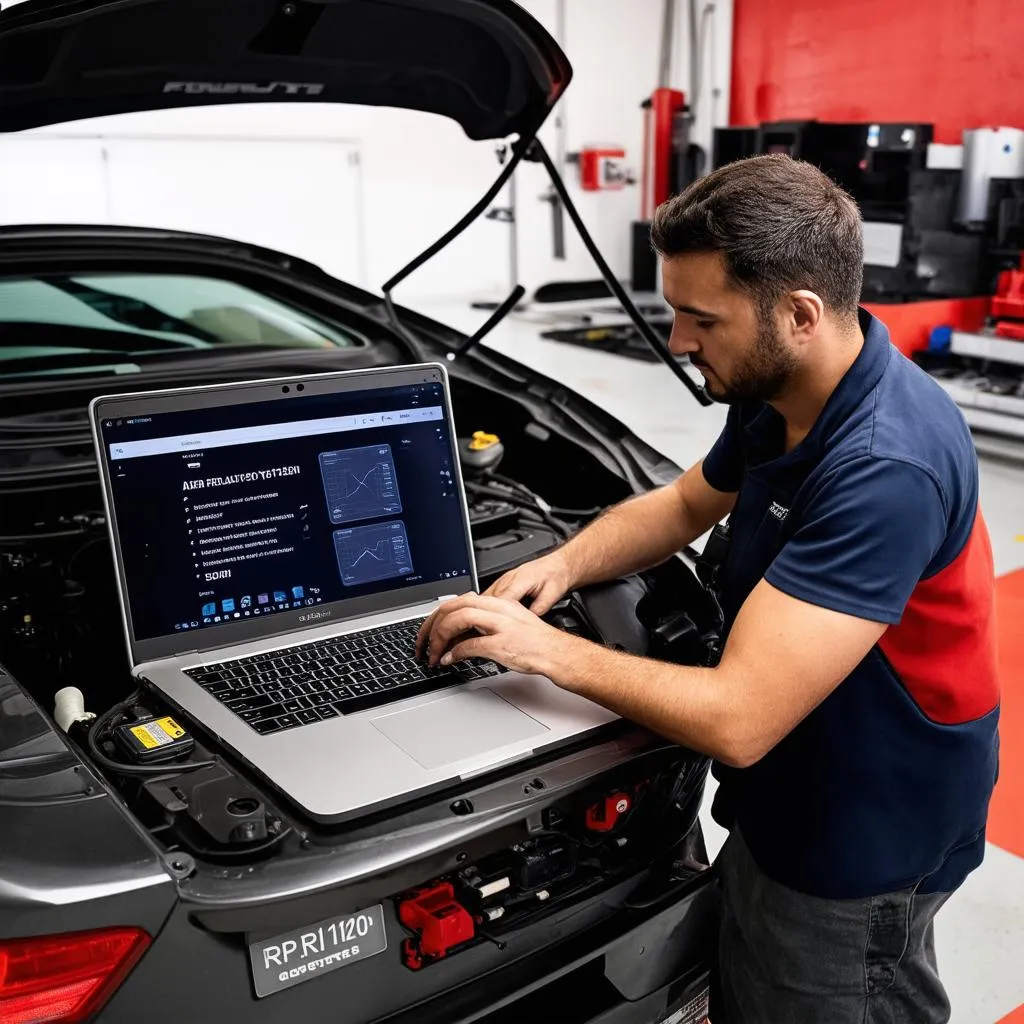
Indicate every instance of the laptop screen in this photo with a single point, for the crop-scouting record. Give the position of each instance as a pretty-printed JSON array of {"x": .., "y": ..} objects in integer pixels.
[{"x": 246, "y": 511}]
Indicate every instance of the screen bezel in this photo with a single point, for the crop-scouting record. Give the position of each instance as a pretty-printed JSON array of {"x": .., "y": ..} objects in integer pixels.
[{"x": 280, "y": 389}]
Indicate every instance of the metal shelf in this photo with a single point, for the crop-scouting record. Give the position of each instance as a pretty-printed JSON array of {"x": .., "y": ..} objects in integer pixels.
[
  {"x": 984, "y": 346},
  {"x": 1000, "y": 414}
]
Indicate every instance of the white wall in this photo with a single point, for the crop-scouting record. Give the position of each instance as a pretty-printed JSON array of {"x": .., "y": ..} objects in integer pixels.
[
  {"x": 615, "y": 50},
  {"x": 420, "y": 173},
  {"x": 304, "y": 197}
]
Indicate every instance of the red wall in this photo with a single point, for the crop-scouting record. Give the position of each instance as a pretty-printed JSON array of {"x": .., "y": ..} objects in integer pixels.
[{"x": 953, "y": 63}]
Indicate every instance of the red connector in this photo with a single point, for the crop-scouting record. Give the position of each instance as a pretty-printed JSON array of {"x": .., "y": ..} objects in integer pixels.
[
  {"x": 1008, "y": 302},
  {"x": 605, "y": 814},
  {"x": 440, "y": 923}
]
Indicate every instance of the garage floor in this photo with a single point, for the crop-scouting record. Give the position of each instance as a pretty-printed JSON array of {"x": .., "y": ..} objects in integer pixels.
[{"x": 980, "y": 933}]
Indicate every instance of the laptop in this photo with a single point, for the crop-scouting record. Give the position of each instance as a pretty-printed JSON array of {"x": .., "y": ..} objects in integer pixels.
[{"x": 277, "y": 545}]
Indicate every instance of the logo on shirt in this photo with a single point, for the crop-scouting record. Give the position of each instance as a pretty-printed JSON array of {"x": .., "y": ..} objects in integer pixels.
[{"x": 778, "y": 511}]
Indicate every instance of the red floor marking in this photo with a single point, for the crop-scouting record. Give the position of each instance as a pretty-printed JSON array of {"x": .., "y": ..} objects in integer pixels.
[
  {"x": 1017, "y": 1017},
  {"x": 1006, "y": 816}
]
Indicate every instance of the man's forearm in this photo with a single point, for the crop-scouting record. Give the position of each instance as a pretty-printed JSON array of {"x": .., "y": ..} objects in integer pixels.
[
  {"x": 690, "y": 706},
  {"x": 630, "y": 537}
]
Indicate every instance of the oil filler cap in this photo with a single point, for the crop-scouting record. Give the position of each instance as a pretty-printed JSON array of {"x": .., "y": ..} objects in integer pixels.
[{"x": 480, "y": 453}]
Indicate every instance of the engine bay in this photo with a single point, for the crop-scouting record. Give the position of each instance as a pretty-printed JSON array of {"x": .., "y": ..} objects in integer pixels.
[{"x": 528, "y": 490}]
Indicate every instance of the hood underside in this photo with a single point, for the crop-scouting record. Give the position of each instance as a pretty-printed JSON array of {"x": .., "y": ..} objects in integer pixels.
[{"x": 485, "y": 63}]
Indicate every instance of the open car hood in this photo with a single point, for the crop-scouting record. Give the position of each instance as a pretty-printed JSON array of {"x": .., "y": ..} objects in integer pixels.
[{"x": 485, "y": 63}]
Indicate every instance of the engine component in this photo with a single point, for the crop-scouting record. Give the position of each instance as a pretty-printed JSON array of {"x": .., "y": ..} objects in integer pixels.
[
  {"x": 484, "y": 881},
  {"x": 153, "y": 740},
  {"x": 606, "y": 814},
  {"x": 69, "y": 708},
  {"x": 539, "y": 863},
  {"x": 488, "y": 516},
  {"x": 480, "y": 453},
  {"x": 213, "y": 811},
  {"x": 611, "y": 610},
  {"x": 50, "y": 622},
  {"x": 500, "y": 552},
  {"x": 99, "y": 737},
  {"x": 440, "y": 924}
]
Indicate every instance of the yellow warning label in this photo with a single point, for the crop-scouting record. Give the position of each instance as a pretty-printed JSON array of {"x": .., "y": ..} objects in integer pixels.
[
  {"x": 157, "y": 733},
  {"x": 171, "y": 727},
  {"x": 143, "y": 734}
]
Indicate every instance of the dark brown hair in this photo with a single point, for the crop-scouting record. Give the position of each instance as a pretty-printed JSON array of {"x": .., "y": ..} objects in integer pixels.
[{"x": 779, "y": 223}]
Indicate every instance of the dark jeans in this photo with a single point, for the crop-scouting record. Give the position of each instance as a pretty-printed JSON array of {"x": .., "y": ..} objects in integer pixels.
[{"x": 787, "y": 958}]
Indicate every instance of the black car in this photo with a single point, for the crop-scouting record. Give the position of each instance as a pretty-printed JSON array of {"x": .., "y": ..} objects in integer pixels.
[{"x": 574, "y": 888}]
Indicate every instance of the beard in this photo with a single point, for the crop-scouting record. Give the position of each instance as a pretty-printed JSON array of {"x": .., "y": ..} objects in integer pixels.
[{"x": 761, "y": 376}]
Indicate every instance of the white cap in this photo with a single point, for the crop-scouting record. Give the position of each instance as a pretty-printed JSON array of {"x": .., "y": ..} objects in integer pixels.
[{"x": 69, "y": 707}]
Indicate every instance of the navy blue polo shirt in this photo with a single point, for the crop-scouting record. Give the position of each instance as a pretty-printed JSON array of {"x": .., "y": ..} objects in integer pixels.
[{"x": 875, "y": 514}]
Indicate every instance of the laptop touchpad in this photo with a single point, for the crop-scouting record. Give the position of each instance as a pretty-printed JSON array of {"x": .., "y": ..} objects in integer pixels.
[{"x": 454, "y": 728}]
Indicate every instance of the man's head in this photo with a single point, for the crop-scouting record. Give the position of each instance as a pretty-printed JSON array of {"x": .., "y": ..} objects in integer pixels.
[{"x": 763, "y": 263}]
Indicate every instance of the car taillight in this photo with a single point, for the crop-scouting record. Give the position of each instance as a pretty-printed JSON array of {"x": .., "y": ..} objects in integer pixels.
[{"x": 63, "y": 979}]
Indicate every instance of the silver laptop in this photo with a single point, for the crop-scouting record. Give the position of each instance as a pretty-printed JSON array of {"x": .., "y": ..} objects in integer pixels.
[{"x": 277, "y": 544}]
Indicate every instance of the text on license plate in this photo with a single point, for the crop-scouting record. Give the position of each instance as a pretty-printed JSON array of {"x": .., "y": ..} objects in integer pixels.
[{"x": 296, "y": 956}]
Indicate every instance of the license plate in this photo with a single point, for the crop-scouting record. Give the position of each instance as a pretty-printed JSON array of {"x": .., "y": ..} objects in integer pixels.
[{"x": 296, "y": 956}]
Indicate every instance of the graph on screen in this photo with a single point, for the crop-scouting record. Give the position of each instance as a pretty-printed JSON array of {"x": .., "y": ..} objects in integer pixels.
[
  {"x": 360, "y": 483},
  {"x": 369, "y": 553}
]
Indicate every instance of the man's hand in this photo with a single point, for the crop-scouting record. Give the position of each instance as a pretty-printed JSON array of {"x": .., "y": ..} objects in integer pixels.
[
  {"x": 480, "y": 626},
  {"x": 545, "y": 580}
]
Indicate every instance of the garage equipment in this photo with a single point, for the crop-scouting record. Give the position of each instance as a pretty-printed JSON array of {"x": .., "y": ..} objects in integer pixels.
[
  {"x": 984, "y": 372},
  {"x": 989, "y": 153},
  {"x": 915, "y": 245},
  {"x": 1008, "y": 304}
]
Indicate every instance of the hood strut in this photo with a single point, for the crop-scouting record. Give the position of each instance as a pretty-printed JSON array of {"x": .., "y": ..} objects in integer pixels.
[{"x": 529, "y": 147}]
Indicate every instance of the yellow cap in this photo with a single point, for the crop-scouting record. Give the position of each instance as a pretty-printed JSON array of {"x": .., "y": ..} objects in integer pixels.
[{"x": 482, "y": 441}]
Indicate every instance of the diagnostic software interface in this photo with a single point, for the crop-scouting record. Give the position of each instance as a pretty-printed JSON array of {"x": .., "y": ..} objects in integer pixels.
[{"x": 249, "y": 510}]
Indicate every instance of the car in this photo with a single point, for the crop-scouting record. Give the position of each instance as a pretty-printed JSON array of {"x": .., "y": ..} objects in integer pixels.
[{"x": 572, "y": 887}]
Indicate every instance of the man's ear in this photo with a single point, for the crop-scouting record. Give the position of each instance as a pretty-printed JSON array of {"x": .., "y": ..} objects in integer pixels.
[{"x": 804, "y": 314}]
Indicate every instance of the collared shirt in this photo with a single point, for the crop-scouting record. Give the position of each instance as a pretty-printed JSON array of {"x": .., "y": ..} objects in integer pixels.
[{"x": 875, "y": 514}]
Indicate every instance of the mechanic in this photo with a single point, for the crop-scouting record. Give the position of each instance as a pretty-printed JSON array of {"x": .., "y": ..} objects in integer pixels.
[{"x": 853, "y": 713}]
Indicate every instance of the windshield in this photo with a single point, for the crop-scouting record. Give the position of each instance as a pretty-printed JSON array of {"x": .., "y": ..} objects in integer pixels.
[{"x": 60, "y": 321}]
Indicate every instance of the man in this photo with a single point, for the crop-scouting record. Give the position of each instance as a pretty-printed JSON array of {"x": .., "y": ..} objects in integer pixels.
[{"x": 853, "y": 712}]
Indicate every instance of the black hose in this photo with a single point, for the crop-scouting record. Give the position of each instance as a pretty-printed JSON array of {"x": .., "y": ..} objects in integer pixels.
[
  {"x": 100, "y": 725},
  {"x": 560, "y": 528},
  {"x": 578, "y": 513}
]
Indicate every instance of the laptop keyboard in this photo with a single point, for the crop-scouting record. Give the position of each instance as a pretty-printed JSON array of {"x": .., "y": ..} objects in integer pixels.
[{"x": 338, "y": 676}]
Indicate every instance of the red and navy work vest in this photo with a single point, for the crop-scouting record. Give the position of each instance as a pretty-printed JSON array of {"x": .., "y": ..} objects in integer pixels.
[{"x": 875, "y": 514}]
